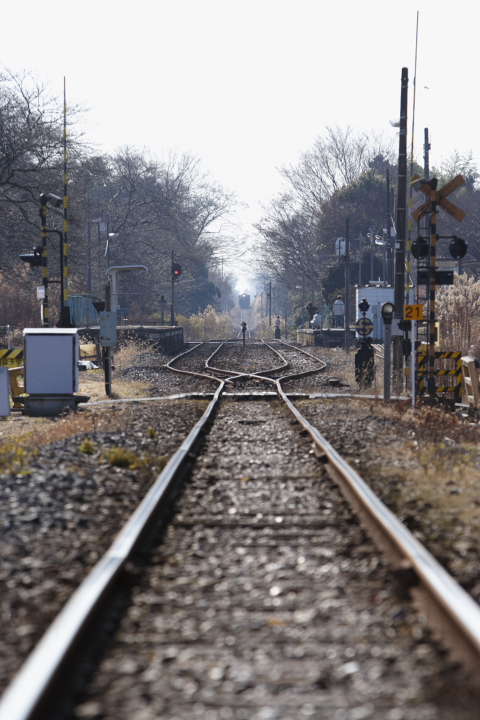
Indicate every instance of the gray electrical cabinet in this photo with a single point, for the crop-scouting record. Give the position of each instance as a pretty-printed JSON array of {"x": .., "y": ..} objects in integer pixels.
[
  {"x": 108, "y": 328},
  {"x": 51, "y": 361}
]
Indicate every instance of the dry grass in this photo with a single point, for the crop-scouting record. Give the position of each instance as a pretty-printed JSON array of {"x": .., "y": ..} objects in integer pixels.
[
  {"x": 92, "y": 383},
  {"x": 427, "y": 470},
  {"x": 342, "y": 366},
  {"x": 127, "y": 352}
]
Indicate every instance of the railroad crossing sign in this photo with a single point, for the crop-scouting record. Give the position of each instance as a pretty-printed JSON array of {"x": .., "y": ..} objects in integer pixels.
[
  {"x": 440, "y": 197},
  {"x": 364, "y": 326}
]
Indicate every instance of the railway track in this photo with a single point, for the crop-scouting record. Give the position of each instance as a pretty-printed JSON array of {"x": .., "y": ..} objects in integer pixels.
[{"x": 265, "y": 599}]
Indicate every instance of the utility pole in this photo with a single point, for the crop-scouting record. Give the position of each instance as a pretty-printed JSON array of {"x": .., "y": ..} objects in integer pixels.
[
  {"x": 107, "y": 351},
  {"x": 347, "y": 286},
  {"x": 399, "y": 289},
  {"x": 313, "y": 284}
]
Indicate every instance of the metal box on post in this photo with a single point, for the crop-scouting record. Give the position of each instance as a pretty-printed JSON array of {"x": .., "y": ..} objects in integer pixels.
[{"x": 51, "y": 361}]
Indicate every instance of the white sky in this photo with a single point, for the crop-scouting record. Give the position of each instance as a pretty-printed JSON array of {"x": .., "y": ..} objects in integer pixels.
[{"x": 247, "y": 84}]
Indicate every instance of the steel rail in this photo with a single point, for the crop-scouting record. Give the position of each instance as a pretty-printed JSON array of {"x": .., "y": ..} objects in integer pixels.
[
  {"x": 448, "y": 607},
  {"x": 30, "y": 693},
  {"x": 191, "y": 372},
  {"x": 239, "y": 374},
  {"x": 303, "y": 373}
]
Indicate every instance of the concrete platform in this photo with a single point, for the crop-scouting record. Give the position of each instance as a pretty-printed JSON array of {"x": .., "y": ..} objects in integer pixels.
[{"x": 333, "y": 337}]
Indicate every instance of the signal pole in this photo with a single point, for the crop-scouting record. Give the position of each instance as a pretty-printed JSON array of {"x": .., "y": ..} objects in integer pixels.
[
  {"x": 399, "y": 288},
  {"x": 172, "y": 310},
  {"x": 43, "y": 216},
  {"x": 347, "y": 286}
]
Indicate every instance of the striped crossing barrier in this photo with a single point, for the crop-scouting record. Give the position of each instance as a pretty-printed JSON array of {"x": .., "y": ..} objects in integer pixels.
[
  {"x": 452, "y": 376},
  {"x": 11, "y": 358}
]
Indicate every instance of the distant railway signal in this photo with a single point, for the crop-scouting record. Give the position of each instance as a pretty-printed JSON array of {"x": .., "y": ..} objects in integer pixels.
[
  {"x": 176, "y": 270},
  {"x": 364, "y": 326}
]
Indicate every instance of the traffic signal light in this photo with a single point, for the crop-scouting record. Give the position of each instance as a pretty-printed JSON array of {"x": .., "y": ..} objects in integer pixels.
[
  {"x": 364, "y": 305},
  {"x": 34, "y": 258},
  {"x": 176, "y": 270}
]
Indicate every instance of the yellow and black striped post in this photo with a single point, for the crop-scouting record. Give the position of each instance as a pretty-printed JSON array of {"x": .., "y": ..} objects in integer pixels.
[
  {"x": 43, "y": 216},
  {"x": 431, "y": 289}
]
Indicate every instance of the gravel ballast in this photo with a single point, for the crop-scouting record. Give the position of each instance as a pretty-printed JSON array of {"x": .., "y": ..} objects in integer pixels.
[
  {"x": 61, "y": 510},
  {"x": 267, "y": 600}
]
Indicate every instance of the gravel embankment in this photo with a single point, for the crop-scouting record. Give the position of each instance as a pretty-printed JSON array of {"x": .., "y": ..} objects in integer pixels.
[
  {"x": 60, "y": 508},
  {"x": 266, "y": 600}
]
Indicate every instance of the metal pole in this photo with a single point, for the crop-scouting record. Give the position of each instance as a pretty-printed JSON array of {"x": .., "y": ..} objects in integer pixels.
[
  {"x": 431, "y": 289},
  {"x": 89, "y": 286},
  {"x": 347, "y": 286},
  {"x": 62, "y": 282},
  {"x": 172, "y": 312},
  {"x": 107, "y": 363},
  {"x": 270, "y": 305},
  {"x": 303, "y": 298},
  {"x": 413, "y": 356},
  {"x": 389, "y": 230},
  {"x": 399, "y": 290},
  {"x": 426, "y": 155},
  {"x": 360, "y": 240},
  {"x": 98, "y": 253},
  {"x": 43, "y": 216},
  {"x": 313, "y": 284},
  {"x": 387, "y": 360},
  {"x": 108, "y": 240},
  {"x": 372, "y": 247},
  {"x": 65, "y": 320}
]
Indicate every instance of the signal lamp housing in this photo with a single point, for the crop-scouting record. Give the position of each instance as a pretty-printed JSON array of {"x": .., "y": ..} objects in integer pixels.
[
  {"x": 387, "y": 312},
  {"x": 35, "y": 258},
  {"x": 458, "y": 248},
  {"x": 364, "y": 305},
  {"x": 176, "y": 270},
  {"x": 420, "y": 248}
]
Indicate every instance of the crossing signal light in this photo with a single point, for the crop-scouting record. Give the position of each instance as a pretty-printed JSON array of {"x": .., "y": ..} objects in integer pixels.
[
  {"x": 420, "y": 248},
  {"x": 176, "y": 270},
  {"x": 35, "y": 258},
  {"x": 458, "y": 248}
]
